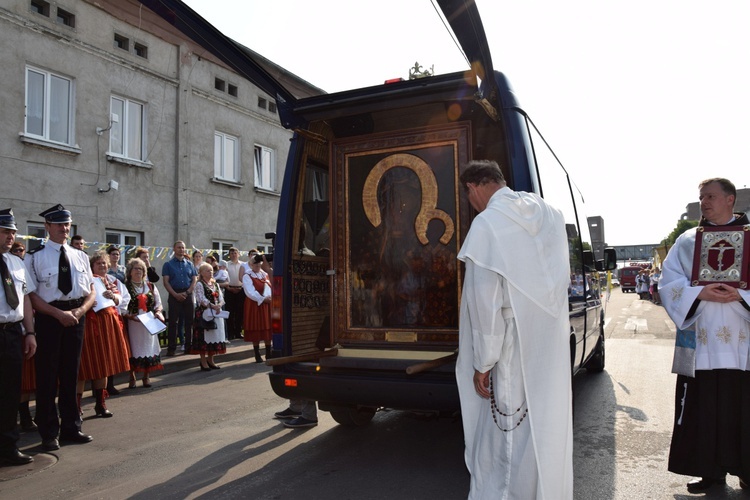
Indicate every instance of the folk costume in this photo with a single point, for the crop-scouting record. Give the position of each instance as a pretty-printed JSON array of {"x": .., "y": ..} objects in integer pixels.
[
  {"x": 514, "y": 322},
  {"x": 257, "y": 287},
  {"x": 145, "y": 351},
  {"x": 711, "y": 433},
  {"x": 105, "y": 350},
  {"x": 209, "y": 341}
]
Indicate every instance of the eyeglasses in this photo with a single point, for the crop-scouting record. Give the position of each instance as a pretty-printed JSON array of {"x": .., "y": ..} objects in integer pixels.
[{"x": 17, "y": 250}]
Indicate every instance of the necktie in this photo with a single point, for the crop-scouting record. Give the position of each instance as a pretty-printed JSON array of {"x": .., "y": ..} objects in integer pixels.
[
  {"x": 64, "y": 278},
  {"x": 10, "y": 289}
]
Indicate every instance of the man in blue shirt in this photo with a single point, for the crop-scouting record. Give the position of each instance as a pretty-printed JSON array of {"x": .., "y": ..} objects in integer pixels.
[{"x": 179, "y": 280}]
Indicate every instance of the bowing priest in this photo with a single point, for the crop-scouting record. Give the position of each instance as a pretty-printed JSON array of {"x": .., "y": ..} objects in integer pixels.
[
  {"x": 711, "y": 432},
  {"x": 513, "y": 366}
]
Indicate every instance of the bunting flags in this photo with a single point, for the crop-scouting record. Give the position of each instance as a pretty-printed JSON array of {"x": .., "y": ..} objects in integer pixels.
[{"x": 154, "y": 253}]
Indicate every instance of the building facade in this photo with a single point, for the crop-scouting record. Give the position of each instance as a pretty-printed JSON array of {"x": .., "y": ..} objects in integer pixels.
[{"x": 142, "y": 133}]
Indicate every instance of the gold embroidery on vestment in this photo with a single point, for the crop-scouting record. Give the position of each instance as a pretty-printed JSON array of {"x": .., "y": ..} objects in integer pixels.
[
  {"x": 743, "y": 336},
  {"x": 724, "y": 334},
  {"x": 703, "y": 336},
  {"x": 677, "y": 294}
]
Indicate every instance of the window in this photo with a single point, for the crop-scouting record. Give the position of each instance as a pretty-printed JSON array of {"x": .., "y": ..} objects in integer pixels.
[
  {"x": 140, "y": 50},
  {"x": 264, "y": 248},
  {"x": 122, "y": 42},
  {"x": 232, "y": 90},
  {"x": 265, "y": 172},
  {"x": 219, "y": 84},
  {"x": 35, "y": 230},
  {"x": 261, "y": 102},
  {"x": 128, "y": 241},
  {"x": 272, "y": 107},
  {"x": 49, "y": 105},
  {"x": 222, "y": 248},
  {"x": 40, "y": 7},
  {"x": 226, "y": 157},
  {"x": 66, "y": 18},
  {"x": 126, "y": 137}
]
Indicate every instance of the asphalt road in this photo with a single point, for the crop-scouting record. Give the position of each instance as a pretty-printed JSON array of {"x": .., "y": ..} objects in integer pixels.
[{"x": 210, "y": 435}]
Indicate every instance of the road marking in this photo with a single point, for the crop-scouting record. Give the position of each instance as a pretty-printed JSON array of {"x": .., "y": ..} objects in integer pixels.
[{"x": 636, "y": 324}]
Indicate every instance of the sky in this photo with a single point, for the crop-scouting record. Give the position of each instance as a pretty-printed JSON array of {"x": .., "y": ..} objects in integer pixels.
[{"x": 640, "y": 100}]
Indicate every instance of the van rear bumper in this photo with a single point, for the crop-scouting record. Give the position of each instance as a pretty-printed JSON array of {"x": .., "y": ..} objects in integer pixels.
[{"x": 427, "y": 391}]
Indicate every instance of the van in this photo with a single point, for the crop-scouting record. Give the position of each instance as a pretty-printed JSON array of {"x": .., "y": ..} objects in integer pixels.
[
  {"x": 628, "y": 275},
  {"x": 366, "y": 284}
]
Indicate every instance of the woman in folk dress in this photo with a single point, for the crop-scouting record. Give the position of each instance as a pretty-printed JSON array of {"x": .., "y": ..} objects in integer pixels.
[
  {"x": 145, "y": 350},
  {"x": 208, "y": 297}
]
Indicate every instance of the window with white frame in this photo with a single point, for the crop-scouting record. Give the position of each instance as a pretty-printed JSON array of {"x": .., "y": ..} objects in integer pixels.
[
  {"x": 226, "y": 157},
  {"x": 35, "y": 230},
  {"x": 265, "y": 171},
  {"x": 49, "y": 106},
  {"x": 126, "y": 135},
  {"x": 222, "y": 248},
  {"x": 128, "y": 241}
]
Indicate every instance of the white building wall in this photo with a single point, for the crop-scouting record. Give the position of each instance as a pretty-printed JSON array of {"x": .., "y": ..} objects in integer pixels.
[{"x": 171, "y": 195}]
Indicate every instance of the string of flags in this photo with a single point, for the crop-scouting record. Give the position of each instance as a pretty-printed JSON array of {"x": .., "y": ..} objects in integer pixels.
[{"x": 154, "y": 253}]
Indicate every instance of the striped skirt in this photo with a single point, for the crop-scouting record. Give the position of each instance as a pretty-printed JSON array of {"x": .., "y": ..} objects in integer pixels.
[{"x": 105, "y": 350}]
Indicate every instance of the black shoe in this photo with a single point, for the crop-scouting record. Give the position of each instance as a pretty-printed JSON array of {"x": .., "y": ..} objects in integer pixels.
[
  {"x": 15, "y": 457},
  {"x": 113, "y": 391},
  {"x": 299, "y": 423},
  {"x": 704, "y": 483},
  {"x": 214, "y": 366},
  {"x": 204, "y": 368},
  {"x": 287, "y": 414},
  {"x": 76, "y": 437},
  {"x": 50, "y": 444},
  {"x": 102, "y": 411},
  {"x": 170, "y": 353}
]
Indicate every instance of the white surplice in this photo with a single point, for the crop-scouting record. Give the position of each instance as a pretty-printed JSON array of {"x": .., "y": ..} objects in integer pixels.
[
  {"x": 716, "y": 335},
  {"x": 514, "y": 322}
]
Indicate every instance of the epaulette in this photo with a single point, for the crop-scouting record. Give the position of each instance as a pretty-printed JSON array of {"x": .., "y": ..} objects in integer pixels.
[{"x": 31, "y": 252}]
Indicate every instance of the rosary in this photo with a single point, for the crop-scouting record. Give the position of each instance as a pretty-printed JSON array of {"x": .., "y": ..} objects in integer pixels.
[{"x": 495, "y": 409}]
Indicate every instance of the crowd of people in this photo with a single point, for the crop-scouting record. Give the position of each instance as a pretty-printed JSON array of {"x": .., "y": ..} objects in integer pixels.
[
  {"x": 67, "y": 317},
  {"x": 647, "y": 284}
]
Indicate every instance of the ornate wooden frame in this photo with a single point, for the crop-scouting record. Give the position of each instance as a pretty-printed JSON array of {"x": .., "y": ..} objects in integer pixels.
[{"x": 397, "y": 209}]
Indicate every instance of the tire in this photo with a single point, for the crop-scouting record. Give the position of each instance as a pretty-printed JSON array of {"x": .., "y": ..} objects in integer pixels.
[
  {"x": 596, "y": 363},
  {"x": 353, "y": 417}
]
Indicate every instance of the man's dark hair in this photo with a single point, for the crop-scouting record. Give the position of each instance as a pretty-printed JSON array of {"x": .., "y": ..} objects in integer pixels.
[
  {"x": 112, "y": 248},
  {"x": 76, "y": 237},
  {"x": 726, "y": 185},
  {"x": 482, "y": 172}
]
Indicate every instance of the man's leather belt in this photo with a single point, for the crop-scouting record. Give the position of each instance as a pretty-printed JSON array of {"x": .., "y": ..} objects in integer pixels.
[
  {"x": 8, "y": 326},
  {"x": 67, "y": 305}
]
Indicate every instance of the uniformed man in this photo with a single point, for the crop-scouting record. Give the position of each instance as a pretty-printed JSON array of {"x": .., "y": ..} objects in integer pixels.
[
  {"x": 15, "y": 309},
  {"x": 64, "y": 292}
]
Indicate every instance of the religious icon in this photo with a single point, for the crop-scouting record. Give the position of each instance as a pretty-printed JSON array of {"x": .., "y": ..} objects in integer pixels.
[{"x": 721, "y": 256}]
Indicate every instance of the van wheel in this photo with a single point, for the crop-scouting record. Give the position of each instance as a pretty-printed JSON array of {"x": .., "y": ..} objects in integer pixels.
[
  {"x": 353, "y": 417},
  {"x": 596, "y": 363}
]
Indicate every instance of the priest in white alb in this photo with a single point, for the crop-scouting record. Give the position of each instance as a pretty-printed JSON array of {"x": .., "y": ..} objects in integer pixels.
[
  {"x": 513, "y": 366},
  {"x": 711, "y": 432}
]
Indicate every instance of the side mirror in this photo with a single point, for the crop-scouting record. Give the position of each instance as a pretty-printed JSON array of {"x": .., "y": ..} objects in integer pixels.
[
  {"x": 600, "y": 265},
  {"x": 610, "y": 259}
]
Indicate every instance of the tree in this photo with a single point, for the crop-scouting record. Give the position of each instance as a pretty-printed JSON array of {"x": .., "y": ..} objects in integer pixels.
[{"x": 682, "y": 226}]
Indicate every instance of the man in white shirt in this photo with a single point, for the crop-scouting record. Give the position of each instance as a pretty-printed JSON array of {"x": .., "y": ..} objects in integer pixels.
[
  {"x": 64, "y": 293},
  {"x": 16, "y": 342}
]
